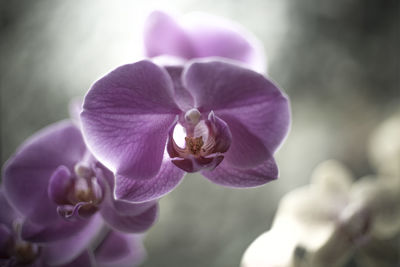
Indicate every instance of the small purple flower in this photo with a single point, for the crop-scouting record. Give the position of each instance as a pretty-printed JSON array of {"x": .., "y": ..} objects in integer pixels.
[
  {"x": 59, "y": 188},
  {"x": 95, "y": 245},
  {"x": 232, "y": 120},
  {"x": 15, "y": 251},
  {"x": 200, "y": 35}
]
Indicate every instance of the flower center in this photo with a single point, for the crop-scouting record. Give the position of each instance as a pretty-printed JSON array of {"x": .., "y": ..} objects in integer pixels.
[
  {"x": 203, "y": 141},
  {"x": 82, "y": 195},
  {"x": 195, "y": 133},
  {"x": 194, "y": 144},
  {"x": 86, "y": 188}
]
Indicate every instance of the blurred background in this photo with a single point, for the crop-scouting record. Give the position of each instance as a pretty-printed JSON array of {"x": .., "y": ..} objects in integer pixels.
[{"x": 337, "y": 60}]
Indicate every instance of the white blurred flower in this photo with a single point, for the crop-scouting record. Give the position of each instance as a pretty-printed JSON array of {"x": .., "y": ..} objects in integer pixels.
[
  {"x": 325, "y": 223},
  {"x": 384, "y": 147},
  {"x": 305, "y": 226}
]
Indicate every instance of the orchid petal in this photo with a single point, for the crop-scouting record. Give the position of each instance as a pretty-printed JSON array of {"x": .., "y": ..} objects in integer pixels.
[
  {"x": 216, "y": 36},
  {"x": 128, "y": 217},
  {"x": 126, "y": 116},
  {"x": 120, "y": 207},
  {"x": 227, "y": 175},
  {"x": 164, "y": 182},
  {"x": 122, "y": 250},
  {"x": 129, "y": 208},
  {"x": 193, "y": 164},
  {"x": 58, "y": 230},
  {"x": 182, "y": 96},
  {"x": 163, "y": 35},
  {"x": 67, "y": 249},
  {"x": 59, "y": 183},
  {"x": 130, "y": 223},
  {"x": 220, "y": 134},
  {"x": 234, "y": 91},
  {"x": 199, "y": 35},
  {"x": 7, "y": 213},
  {"x": 121, "y": 215},
  {"x": 86, "y": 259},
  {"x": 246, "y": 149},
  {"x": 30, "y": 169}
]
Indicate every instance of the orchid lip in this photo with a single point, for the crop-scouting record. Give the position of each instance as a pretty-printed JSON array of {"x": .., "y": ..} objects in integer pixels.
[
  {"x": 80, "y": 209},
  {"x": 81, "y": 194},
  {"x": 204, "y": 144}
]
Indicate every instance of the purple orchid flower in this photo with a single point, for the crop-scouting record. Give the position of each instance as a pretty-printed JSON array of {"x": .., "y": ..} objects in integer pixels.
[
  {"x": 199, "y": 35},
  {"x": 233, "y": 120},
  {"x": 15, "y": 251},
  {"x": 59, "y": 188},
  {"x": 82, "y": 249}
]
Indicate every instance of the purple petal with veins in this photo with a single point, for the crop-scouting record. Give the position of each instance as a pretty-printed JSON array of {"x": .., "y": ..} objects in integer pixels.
[{"x": 126, "y": 116}]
